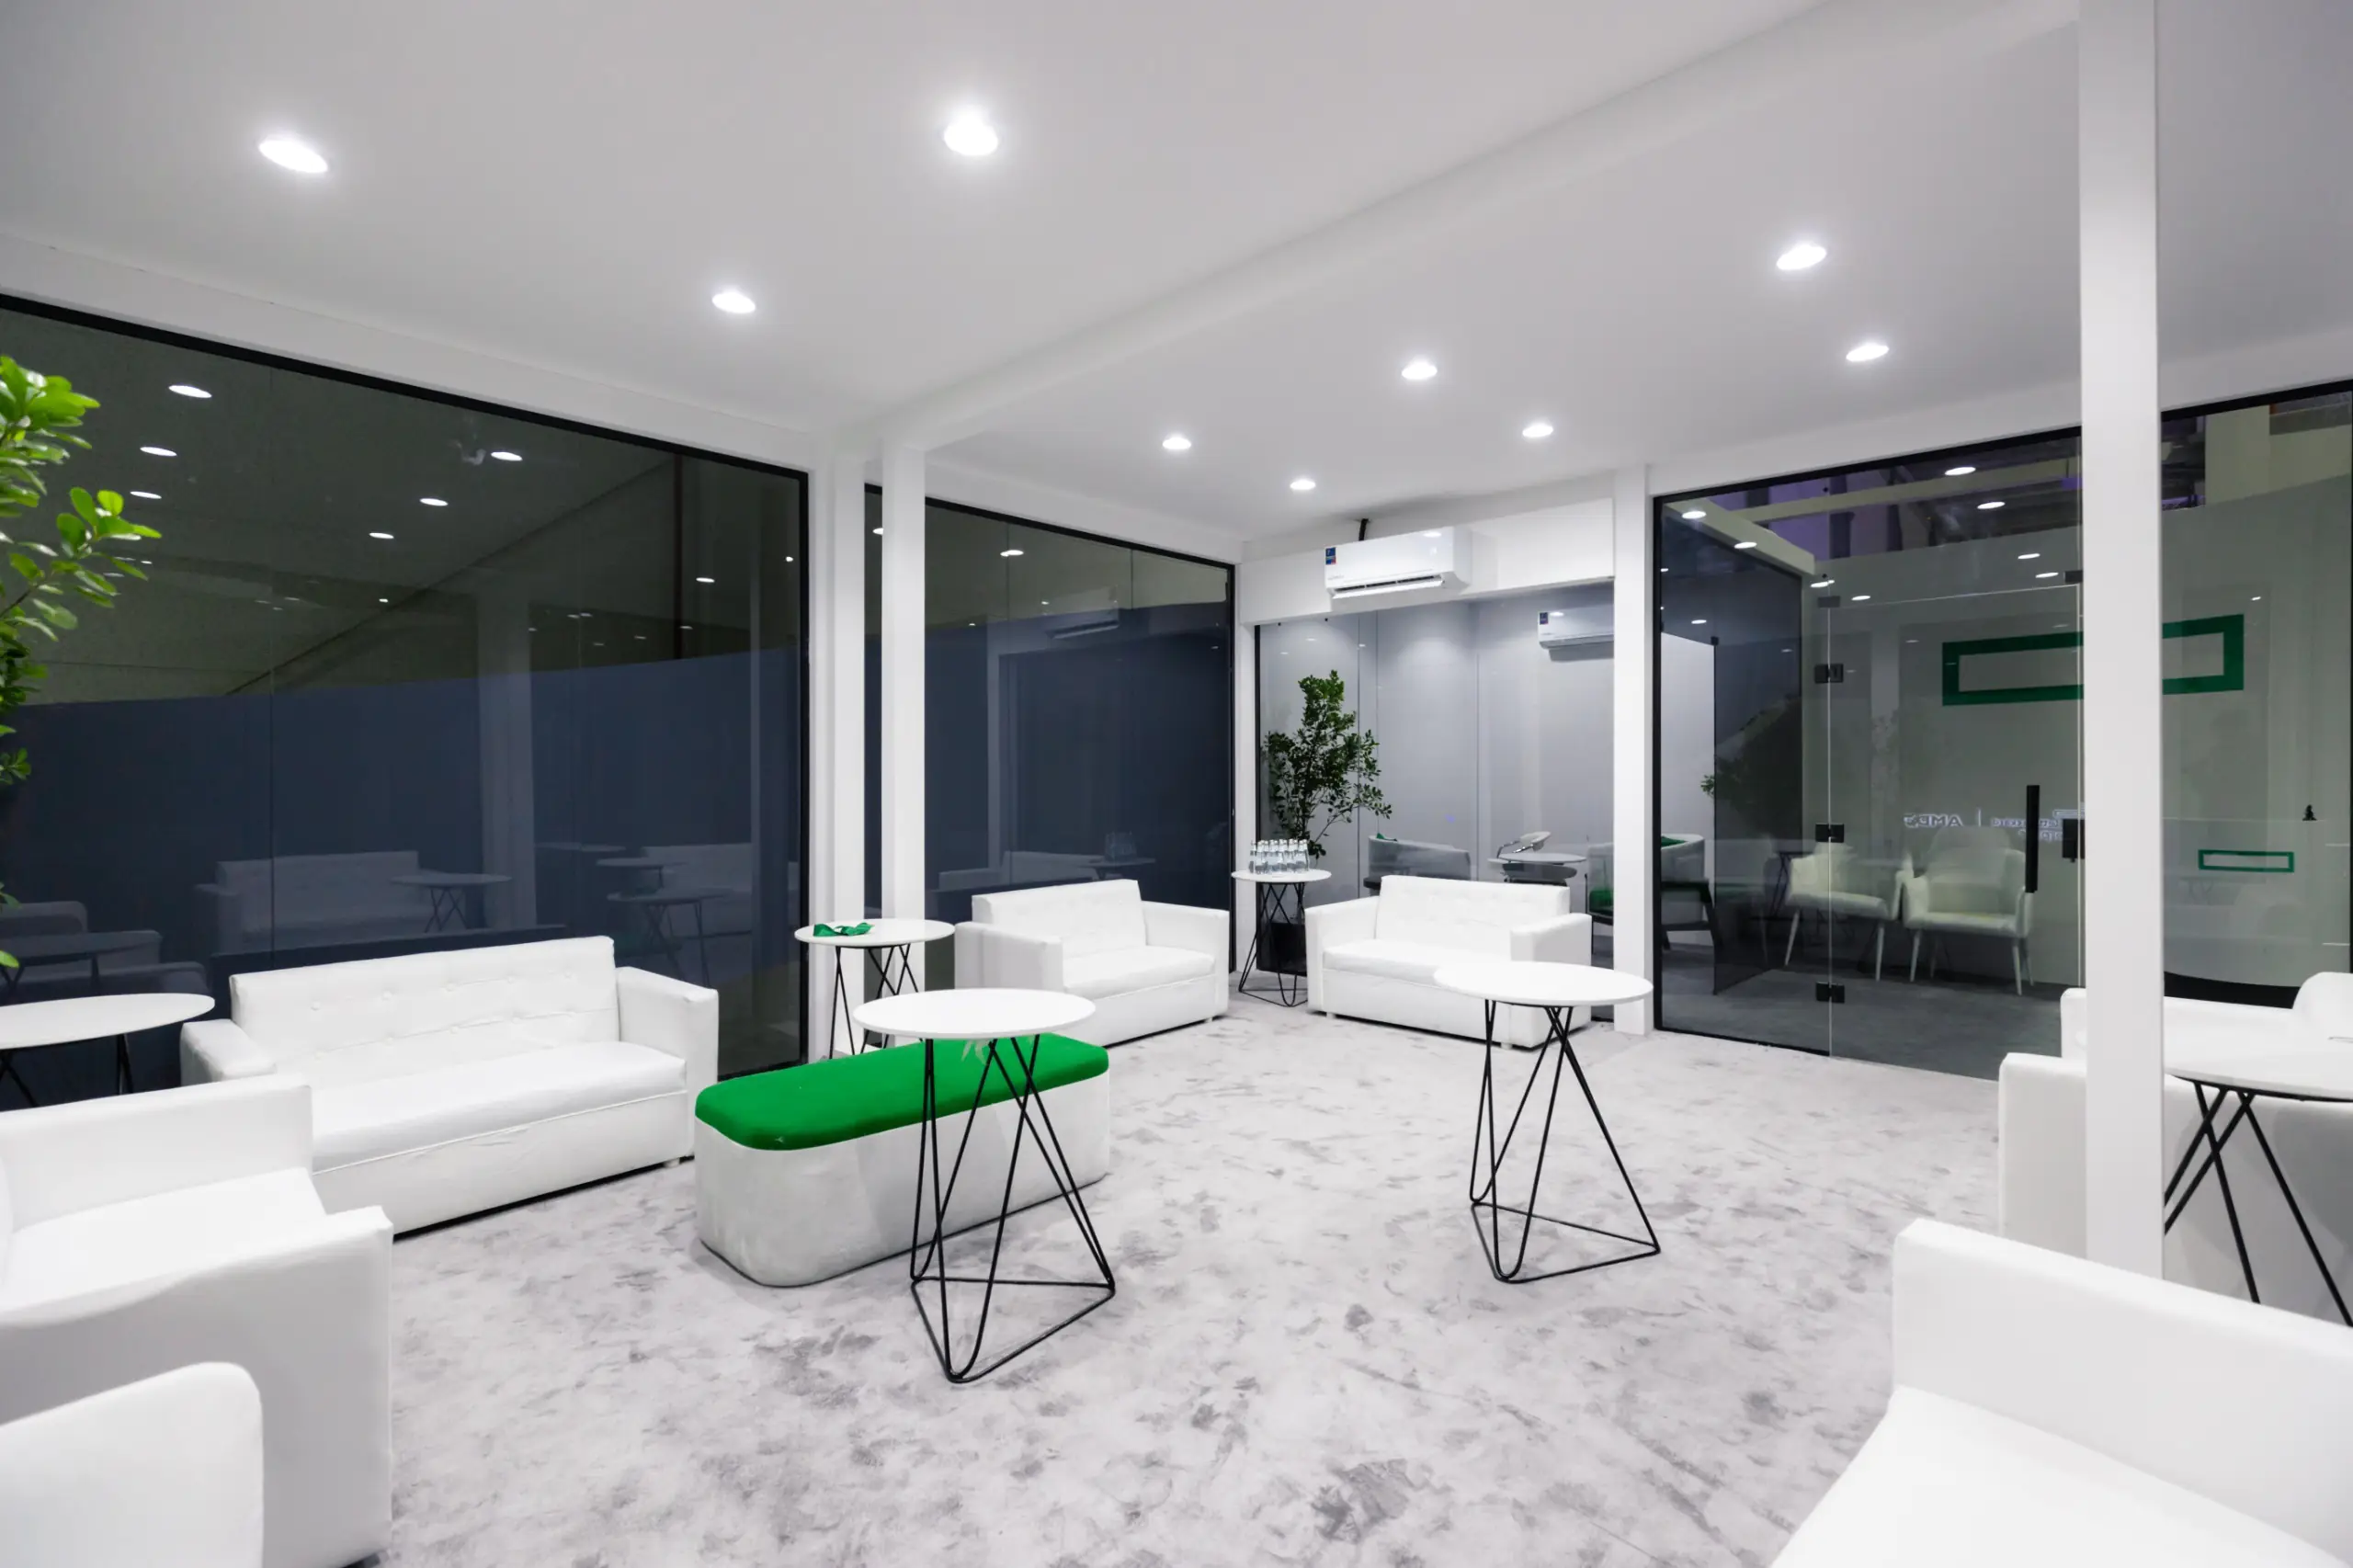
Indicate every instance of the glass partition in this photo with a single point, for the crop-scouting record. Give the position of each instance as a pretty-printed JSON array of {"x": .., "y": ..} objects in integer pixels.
[{"x": 406, "y": 675}]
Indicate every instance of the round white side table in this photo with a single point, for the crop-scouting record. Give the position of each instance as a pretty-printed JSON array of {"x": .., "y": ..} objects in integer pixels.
[
  {"x": 1274, "y": 889},
  {"x": 888, "y": 945},
  {"x": 69, "y": 1020}
]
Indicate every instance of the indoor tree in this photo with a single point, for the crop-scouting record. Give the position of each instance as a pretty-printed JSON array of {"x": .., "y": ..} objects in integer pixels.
[
  {"x": 1325, "y": 771},
  {"x": 38, "y": 418}
]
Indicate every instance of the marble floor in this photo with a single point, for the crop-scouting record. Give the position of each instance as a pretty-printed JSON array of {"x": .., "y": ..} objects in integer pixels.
[{"x": 1307, "y": 1361}]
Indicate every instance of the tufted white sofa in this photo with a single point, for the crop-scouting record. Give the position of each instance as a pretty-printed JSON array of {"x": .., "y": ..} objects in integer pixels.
[
  {"x": 1376, "y": 957},
  {"x": 445, "y": 1084},
  {"x": 1146, "y": 967}
]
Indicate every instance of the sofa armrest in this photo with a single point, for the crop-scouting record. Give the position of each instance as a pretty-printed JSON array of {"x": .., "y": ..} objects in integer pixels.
[
  {"x": 1565, "y": 938},
  {"x": 993, "y": 956},
  {"x": 2038, "y": 1152},
  {"x": 1184, "y": 925},
  {"x": 215, "y": 1050},
  {"x": 66, "y": 1158},
  {"x": 671, "y": 1015},
  {"x": 1351, "y": 920},
  {"x": 2247, "y": 1405}
]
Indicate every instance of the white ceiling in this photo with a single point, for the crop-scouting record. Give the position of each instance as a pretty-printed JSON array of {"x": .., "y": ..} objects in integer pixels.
[{"x": 564, "y": 184}]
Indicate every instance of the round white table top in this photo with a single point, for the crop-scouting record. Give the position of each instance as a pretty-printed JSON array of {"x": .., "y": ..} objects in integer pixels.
[
  {"x": 71, "y": 1019},
  {"x": 1538, "y": 857},
  {"x": 1543, "y": 984},
  {"x": 978, "y": 1014},
  {"x": 2307, "y": 1072},
  {"x": 639, "y": 862},
  {"x": 1309, "y": 876},
  {"x": 451, "y": 878},
  {"x": 881, "y": 934}
]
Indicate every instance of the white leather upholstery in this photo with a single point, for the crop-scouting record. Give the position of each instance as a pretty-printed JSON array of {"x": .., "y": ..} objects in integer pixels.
[
  {"x": 448, "y": 1083},
  {"x": 1974, "y": 884},
  {"x": 159, "y": 1229},
  {"x": 165, "y": 1470},
  {"x": 1376, "y": 957},
  {"x": 796, "y": 1216},
  {"x": 2050, "y": 1411},
  {"x": 1146, "y": 967}
]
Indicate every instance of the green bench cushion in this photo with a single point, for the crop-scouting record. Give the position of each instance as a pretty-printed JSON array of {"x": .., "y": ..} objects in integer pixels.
[{"x": 850, "y": 1096}]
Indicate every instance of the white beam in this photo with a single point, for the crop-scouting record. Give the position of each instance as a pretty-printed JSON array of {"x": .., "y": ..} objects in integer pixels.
[
  {"x": 2123, "y": 615},
  {"x": 902, "y": 686},
  {"x": 836, "y": 881},
  {"x": 1634, "y": 830}
]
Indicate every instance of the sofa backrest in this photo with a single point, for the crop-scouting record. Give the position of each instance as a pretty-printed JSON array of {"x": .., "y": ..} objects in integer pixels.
[
  {"x": 1470, "y": 917},
  {"x": 341, "y": 1023},
  {"x": 2324, "y": 1006},
  {"x": 1090, "y": 917}
]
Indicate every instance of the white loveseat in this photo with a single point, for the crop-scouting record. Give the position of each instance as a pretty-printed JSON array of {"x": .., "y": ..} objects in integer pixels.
[
  {"x": 450, "y": 1083},
  {"x": 311, "y": 901},
  {"x": 2050, "y": 1411},
  {"x": 1375, "y": 958},
  {"x": 1146, "y": 967},
  {"x": 151, "y": 1232},
  {"x": 2041, "y": 1162}
]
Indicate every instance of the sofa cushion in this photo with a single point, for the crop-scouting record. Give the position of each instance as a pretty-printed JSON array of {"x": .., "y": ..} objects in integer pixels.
[
  {"x": 1097, "y": 975},
  {"x": 1087, "y": 917},
  {"x": 850, "y": 1096},
  {"x": 1463, "y": 917},
  {"x": 171, "y": 1233},
  {"x": 361, "y": 1120},
  {"x": 1944, "y": 1483},
  {"x": 1416, "y": 962}
]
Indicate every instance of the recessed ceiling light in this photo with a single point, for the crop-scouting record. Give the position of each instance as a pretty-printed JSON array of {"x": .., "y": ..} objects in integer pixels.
[
  {"x": 1045, "y": 601},
  {"x": 159, "y": 451},
  {"x": 508, "y": 457},
  {"x": 1431, "y": 533},
  {"x": 378, "y": 533},
  {"x": 1537, "y": 429},
  {"x": 1178, "y": 442},
  {"x": 2039, "y": 576},
  {"x": 969, "y": 134},
  {"x": 787, "y": 561},
  {"x": 2032, "y": 555},
  {"x": 383, "y": 601},
  {"x": 293, "y": 152},
  {"x": 146, "y": 495},
  {"x": 1419, "y": 369},
  {"x": 1991, "y": 505},
  {"x": 1303, "y": 484},
  {"x": 431, "y": 501},
  {"x": 877, "y": 533},
  {"x": 1860, "y": 598},
  {"x": 185, "y": 390},
  {"x": 706, "y": 581},
  {"x": 1825, "y": 582},
  {"x": 1863, "y": 353},
  {"x": 2257, "y": 599},
  {"x": 1701, "y": 622},
  {"x": 1961, "y": 471},
  {"x": 1008, "y": 554},
  {"x": 1746, "y": 544},
  {"x": 734, "y": 301},
  {"x": 1800, "y": 256},
  {"x": 1694, "y": 515}
]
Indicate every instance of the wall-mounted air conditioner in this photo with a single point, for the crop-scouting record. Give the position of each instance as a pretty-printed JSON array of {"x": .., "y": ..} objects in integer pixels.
[
  {"x": 1574, "y": 628},
  {"x": 1428, "y": 561}
]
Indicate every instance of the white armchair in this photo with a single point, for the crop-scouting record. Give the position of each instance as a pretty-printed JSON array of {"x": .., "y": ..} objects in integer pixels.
[
  {"x": 1146, "y": 967},
  {"x": 1836, "y": 883},
  {"x": 1378, "y": 958},
  {"x": 155, "y": 1231},
  {"x": 1972, "y": 885},
  {"x": 2050, "y": 1411},
  {"x": 164, "y": 1470}
]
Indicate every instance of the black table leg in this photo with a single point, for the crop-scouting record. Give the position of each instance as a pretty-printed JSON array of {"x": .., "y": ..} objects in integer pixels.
[
  {"x": 2212, "y": 1145},
  {"x": 8, "y": 1074},
  {"x": 1488, "y": 1152},
  {"x": 927, "y": 1258},
  {"x": 1290, "y": 989},
  {"x": 122, "y": 1065}
]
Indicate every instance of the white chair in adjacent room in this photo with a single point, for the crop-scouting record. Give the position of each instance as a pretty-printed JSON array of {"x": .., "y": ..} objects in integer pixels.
[
  {"x": 167, "y": 1470},
  {"x": 1972, "y": 884},
  {"x": 1146, "y": 967},
  {"x": 448, "y": 1083},
  {"x": 2049, "y": 1410},
  {"x": 1834, "y": 883},
  {"x": 151, "y": 1232},
  {"x": 1378, "y": 958}
]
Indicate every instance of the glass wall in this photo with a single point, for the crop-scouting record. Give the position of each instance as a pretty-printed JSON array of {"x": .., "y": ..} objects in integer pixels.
[
  {"x": 1493, "y": 716},
  {"x": 407, "y": 674},
  {"x": 1870, "y": 757}
]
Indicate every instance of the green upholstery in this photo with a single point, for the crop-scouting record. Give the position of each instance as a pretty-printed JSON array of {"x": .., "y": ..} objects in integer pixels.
[{"x": 850, "y": 1096}]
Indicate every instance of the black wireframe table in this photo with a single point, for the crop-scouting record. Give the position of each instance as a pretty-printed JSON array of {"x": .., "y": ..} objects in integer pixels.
[
  {"x": 1557, "y": 990},
  {"x": 1275, "y": 888},
  {"x": 889, "y": 946}
]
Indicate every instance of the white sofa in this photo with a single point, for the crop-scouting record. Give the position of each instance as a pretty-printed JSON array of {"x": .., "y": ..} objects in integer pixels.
[
  {"x": 2041, "y": 1162},
  {"x": 151, "y": 1232},
  {"x": 167, "y": 1470},
  {"x": 1146, "y": 967},
  {"x": 309, "y": 901},
  {"x": 1374, "y": 957},
  {"x": 2050, "y": 1411},
  {"x": 448, "y": 1083}
]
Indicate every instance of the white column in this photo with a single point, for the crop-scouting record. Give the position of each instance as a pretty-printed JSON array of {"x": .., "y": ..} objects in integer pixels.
[
  {"x": 902, "y": 686},
  {"x": 509, "y": 799},
  {"x": 1633, "y": 787},
  {"x": 2123, "y": 614},
  {"x": 836, "y": 881},
  {"x": 1246, "y": 781}
]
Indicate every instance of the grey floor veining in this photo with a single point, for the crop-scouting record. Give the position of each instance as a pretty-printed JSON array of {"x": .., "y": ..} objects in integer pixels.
[{"x": 1307, "y": 1362}]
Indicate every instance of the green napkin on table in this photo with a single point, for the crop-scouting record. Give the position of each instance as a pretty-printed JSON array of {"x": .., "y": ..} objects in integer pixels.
[{"x": 860, "y": 930}]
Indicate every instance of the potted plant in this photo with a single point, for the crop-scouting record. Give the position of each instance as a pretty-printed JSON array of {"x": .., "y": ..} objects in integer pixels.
[
  {"x": 38, "y": 416},
  {"x": 1318, "y": 776}
]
